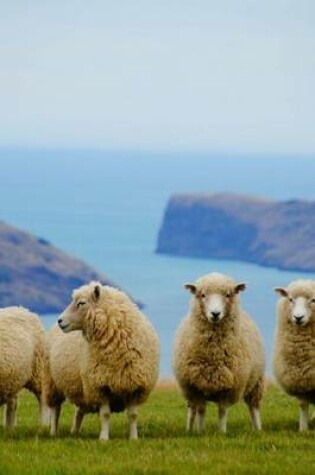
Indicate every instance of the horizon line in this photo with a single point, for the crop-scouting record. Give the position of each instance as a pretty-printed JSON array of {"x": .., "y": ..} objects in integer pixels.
[{"x": 154, "y": 151}]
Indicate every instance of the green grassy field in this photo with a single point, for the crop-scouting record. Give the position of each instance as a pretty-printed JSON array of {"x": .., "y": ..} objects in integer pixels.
[{"x": 163, "y": 447}]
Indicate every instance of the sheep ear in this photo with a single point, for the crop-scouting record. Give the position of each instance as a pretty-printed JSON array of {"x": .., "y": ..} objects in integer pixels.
[
  {"x": 281, "y": 291},
  {"x": 191, "y": 288},
  {"x": 97, "y": 292},
  {"x": 239, "y": 287}
]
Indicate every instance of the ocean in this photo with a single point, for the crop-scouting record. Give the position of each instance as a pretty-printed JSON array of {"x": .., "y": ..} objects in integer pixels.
[{"x": 106, "y": 207}]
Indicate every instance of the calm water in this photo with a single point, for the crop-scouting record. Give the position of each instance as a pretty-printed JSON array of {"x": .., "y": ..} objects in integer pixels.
[{"x": 106, "y": 208}]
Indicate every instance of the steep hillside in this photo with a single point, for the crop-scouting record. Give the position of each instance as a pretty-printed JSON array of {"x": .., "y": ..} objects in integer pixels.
[
  {"x": 245, "y": 228},
  {"x": 36, "y": 274}
]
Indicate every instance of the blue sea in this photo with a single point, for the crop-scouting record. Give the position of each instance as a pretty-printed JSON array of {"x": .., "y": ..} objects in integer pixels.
[{"x": 106, "y": 208}]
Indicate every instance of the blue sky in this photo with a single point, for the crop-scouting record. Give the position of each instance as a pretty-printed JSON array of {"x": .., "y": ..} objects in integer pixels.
[{"x": 223, "y": 76}]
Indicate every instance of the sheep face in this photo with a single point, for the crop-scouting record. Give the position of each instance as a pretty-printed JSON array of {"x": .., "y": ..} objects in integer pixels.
[
  {"x": 215, "y": 301},
  {"x": 83, "y": 300},
  {"x": 300, "y": 304},
  {"x": 215, "y": 306}
]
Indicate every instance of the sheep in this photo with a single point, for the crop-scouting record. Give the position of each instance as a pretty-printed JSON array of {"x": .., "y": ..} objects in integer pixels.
[
  {"x": 294, "y": 344},
  {"x": 119, "y": 361},
  {"x": 218, "y": 353},
  {"x": 62, "y": 378},
  {"x": 21, "y": 360}
]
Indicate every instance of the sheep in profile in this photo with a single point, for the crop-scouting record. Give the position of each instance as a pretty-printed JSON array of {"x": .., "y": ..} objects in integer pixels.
[
  {"x": 294, "y": 347},
  {"x": 21, "y": 359},
  {"x": 119, "y": 359},
  {"x": 62, "y": 377},
  {"x": 218, "y": 354}
]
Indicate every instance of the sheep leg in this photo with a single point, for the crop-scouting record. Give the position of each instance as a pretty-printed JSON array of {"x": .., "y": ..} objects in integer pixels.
[
  {"x": 223, "y": 410},
  {"x": 44, "y": 416},
  {"x": 10, "y": 413},
  {"x": 191, "y": 416},
  {"x": 303, "y": 425},
  {"x": 201, "y": 418},
  {"x": 105, "y": 418},
  {"x": 132, "y": 415},
  {"x": 44, "y": 413},
  {"x": 54, "y": 419},
  {"x": 77, "y": 420},
  {"x": 252, "y": 400},
  {"x": 255, "y": 416}
]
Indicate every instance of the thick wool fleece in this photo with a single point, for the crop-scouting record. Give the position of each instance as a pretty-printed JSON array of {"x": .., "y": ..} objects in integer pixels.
[
  {"x": 21, "y": 352},
  {"x": 294, "y": 347},
  {"x": 120, "y": 352},
  {"x": 62, "y": 369},
  {"x": 221, "y": 362}
]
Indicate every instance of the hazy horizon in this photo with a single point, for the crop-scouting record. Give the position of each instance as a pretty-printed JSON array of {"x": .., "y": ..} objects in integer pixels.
[
  {"x": 32, "y": 152},
  {"x": 205, "y": 76}
]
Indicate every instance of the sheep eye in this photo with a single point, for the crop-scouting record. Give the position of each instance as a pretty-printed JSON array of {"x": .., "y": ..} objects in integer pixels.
[
  {"x": 291, "y": 299},
  {"x": 203, "y": 296},
  {"x": 80, "y": 304},
  {"x": 312, "y": 300},
  {"x": 228, "y": 295}
]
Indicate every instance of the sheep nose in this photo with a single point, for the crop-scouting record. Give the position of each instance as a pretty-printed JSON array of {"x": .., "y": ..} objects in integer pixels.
[
  {"x": 298, "y": 318},
  {"x": 215, "y": 315},
  {"x": 59, "y": 321}
]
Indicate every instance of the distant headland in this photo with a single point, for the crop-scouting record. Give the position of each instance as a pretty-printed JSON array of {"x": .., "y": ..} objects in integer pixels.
[
  {"x": 228, "y": 226},
  {"x": 37, "y": 275}
]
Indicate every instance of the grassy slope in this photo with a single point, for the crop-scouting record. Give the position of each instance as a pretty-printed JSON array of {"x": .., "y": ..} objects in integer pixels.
[{"x": 164, "y": 447}]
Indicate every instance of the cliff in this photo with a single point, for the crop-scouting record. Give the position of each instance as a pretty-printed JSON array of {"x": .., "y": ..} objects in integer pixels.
[
  {"x": 36, "y": 274},
  {"x": 244, "y": 228}
]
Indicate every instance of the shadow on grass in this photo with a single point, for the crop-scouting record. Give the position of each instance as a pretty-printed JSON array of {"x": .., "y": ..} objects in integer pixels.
[{"x": 235, "y": 430}]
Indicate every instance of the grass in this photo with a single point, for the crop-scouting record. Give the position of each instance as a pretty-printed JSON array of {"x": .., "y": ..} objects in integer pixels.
[{"x": 164, "y": 447}]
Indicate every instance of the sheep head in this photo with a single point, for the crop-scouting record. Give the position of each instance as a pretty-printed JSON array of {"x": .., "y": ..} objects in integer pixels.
[
  {"x": 84, "y": 299},
  {"x": 299, "y": 301},
  {"x": 215, "y": 294}
]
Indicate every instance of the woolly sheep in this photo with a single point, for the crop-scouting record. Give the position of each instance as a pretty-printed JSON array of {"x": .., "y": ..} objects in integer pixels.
[
  {"x": 294, "y": 346},
  {"x": 21, "y": 359},
  {"x": 120, "y": 351},
  {"x": 218, "y": 352},
  {"x": 62, "y": 377}
]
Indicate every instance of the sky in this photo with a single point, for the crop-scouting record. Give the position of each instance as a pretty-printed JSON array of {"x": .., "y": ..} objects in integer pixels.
[{"x": 199, "y": 75}]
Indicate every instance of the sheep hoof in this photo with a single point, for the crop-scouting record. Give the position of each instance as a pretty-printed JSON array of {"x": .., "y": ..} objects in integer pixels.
[{"x": 303, "y": 429}]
